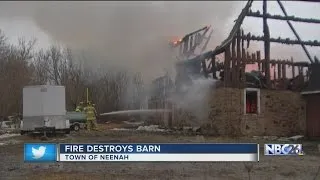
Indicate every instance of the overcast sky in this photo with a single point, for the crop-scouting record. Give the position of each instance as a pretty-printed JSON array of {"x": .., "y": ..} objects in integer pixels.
[{"x": 135, "y": 34}]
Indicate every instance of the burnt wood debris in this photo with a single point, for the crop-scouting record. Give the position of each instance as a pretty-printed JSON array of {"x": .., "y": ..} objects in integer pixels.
[{"x": 236, "y": 55}]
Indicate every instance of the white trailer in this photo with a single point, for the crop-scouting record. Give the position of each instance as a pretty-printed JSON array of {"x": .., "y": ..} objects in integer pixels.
[{"x": 44, "y": 109}]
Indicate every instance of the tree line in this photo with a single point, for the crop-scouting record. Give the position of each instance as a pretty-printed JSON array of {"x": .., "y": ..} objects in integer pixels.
[{"x": 22, "y": 65}]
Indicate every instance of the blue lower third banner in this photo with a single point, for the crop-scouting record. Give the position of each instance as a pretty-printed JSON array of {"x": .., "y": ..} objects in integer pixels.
[
  {"x": 158, "y": 152},
  {"x": 141, "y": 152}
]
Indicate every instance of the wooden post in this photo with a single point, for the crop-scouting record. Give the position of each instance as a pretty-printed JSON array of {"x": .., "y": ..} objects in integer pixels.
[
  {"x": 191, "y": 42},
  {"x": 243, "y": 62},
  {"x": 204, "y": 68},
  {"x": 253, "y": 60},
  {"x": 274, "y": 72},
  {"x": 238, "y": 74},
  {"x": 213, "y": 67},
  {"x": 302, "y": 74},
  {"x": 227, "y": 57},
  {"x": 266, "y": 43},
  {"x": 248, "y": 57},
  {"x": 293, "y": 68},
  {"x": 279, "y": 69},
  {"x": 300, "y": 70},
  {"x": 243, "y": 66},
  {"x": 284, "y": 67},
  {"x": 186, "y": 45},
  {"x": 259, "y": 60},
  {"x": 233, "y": 64},
  {"x": 87, "y": 92}
]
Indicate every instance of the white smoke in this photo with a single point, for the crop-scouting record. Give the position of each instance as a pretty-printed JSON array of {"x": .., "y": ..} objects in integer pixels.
[
  {"x": 131, "y": 35},
  {"x": 195, "y": 99}
]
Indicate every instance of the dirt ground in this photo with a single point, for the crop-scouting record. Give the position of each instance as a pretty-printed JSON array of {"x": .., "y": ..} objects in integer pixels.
[{"x": 12, "y": 166}]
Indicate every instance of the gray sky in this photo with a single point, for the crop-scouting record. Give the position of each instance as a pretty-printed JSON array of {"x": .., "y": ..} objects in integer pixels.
[{"x": 135, "y": 35}]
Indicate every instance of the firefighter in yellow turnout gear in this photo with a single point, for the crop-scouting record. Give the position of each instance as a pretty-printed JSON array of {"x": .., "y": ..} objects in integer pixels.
[
  {"x": 91, "y": 117},
  {"x": 80, "y": 107}
]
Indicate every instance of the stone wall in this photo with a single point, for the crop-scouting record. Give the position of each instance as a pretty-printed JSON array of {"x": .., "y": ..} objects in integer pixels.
[{"x": 282, "y": 113}]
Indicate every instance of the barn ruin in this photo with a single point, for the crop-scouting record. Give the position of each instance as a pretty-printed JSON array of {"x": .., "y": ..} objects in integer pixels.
[{"x": 245, "y": 103}]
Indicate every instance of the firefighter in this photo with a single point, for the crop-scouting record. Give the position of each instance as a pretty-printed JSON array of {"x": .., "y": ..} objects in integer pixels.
[
  {"x": 79, "y": 107},
  {"x": 91, "y": 117}
]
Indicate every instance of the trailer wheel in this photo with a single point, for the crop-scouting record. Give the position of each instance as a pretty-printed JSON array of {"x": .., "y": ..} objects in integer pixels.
[
  {"x": 76, "y": 127},
  {"x": 22, "y": 132}
]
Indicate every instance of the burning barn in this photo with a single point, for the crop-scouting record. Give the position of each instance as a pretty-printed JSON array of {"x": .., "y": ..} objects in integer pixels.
[{"x": 266, "y": 101}]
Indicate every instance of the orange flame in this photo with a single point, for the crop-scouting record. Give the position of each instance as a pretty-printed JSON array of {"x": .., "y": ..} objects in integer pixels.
[{"x": 175, "y": 41}]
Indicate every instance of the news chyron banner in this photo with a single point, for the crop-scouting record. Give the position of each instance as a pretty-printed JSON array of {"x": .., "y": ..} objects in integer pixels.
[{"x": 141, "y": 152}]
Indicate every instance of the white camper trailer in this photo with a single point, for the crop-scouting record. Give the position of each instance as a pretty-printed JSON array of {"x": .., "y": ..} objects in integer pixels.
[{"x": 44, "y": 109}]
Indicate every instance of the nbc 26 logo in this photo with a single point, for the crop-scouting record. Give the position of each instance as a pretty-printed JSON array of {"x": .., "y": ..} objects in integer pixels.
[
  {"x": 283, "y": 149},
  {"x": 40, "y": 152}
]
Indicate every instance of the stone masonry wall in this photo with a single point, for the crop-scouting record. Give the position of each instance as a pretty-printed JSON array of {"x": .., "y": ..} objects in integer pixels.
[{"x": 282, "y": 113}]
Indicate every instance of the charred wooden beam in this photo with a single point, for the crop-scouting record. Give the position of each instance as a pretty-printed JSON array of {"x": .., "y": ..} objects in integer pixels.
[
  {"x": 274, "y": 72},
  {"x": 294, "y": 32},
  {"x": 207, "y": 42},
  {"x": 300, "y": 70},
  {"x": 243, "y": 64},
  {"x": 266, "y": 34},
  {"x": 191, "y": 42},
  {"x": 279, "y": 17},
  {"x": 227, "y": 58},
  {"x": 233, "y": 62},
  {"x": 253, "y": 56},
  {"x": 273, "y": 61},
  {"x": 206, "y": 28},
  {"x": 259, "y": 60},
  {"x": 238, "y": 60},
  {"x": 281, "y": 40},
  {"x": 279, "y": 67},
  {"x": 213, "y": 67},
  {"x": 303, "y": 64},
  {"x": 186, "y": 45},
  {"x": 284, "y": 68},
  {"x": 293, "y": 68},
  {"x": 204, "y": 68}
]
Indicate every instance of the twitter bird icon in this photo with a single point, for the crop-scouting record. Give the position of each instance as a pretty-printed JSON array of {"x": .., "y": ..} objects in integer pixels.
[{"x": 40, "y": 152}]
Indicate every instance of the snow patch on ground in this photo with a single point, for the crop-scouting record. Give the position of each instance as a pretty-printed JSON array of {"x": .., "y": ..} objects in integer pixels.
[
  {"x": 120, "y": 129},
  {"x": 133, "y": 123},
  {"x": 3, "y": 136},
  {"x": 151, "y": 128},
  {"x": 9, "y": 142}
]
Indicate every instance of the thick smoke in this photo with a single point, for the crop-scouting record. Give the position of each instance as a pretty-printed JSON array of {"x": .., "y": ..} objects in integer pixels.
[
  {"x": 196, "y": 99},
  {"x": 135, "y": 35},
  {"x": 132, "y": 35}
]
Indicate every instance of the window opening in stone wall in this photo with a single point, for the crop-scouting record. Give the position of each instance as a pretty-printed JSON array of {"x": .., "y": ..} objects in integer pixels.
[{"x": 251, "y": 102}]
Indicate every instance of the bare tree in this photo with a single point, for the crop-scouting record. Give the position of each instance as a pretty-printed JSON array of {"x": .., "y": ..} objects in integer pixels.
[
  {"x": 15, "y": 73},
  {"x": 20, "y": 65}
]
